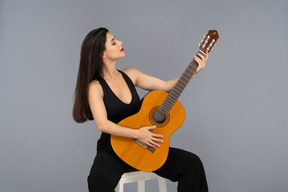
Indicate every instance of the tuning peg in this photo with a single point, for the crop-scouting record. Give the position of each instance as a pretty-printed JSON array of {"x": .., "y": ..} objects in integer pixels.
[
  {"x": 202, "y": 40},
  {"x": 213, "y": 46}
]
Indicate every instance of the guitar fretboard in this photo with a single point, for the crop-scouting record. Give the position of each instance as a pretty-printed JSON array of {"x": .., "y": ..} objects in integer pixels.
[{"x": 179, "y": 87}]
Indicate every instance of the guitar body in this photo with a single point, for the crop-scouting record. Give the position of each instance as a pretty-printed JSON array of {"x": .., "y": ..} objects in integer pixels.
[{"x": 134, "y": 153}]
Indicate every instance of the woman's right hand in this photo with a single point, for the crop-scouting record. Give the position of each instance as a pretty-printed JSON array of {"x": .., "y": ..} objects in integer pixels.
[{"x": 147, "y": 137}]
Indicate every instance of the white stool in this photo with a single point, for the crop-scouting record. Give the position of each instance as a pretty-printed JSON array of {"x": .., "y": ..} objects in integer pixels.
[{"x": 140, "y": 177}]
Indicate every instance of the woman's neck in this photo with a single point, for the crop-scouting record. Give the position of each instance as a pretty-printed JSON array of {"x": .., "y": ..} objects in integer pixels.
[{"x": 109, "y": 71}]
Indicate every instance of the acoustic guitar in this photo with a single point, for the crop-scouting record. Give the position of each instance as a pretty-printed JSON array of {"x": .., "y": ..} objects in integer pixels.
[{"x": 163, "y": 110}]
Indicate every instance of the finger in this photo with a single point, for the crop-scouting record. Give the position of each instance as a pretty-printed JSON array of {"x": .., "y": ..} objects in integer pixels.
[
  {"x": 197, "y": 59},
  {"x": 201, "y": 61},
  {"x": 158, "y": 140},
  {"x": 154, "y": 144},
  {"x": 207, "y": 55},
  {"x": 157, "y": 135},
  {"x": 202, "y": 57},
  {"x": 151, "y": 144},
  {"x": 151, "y": 127}
]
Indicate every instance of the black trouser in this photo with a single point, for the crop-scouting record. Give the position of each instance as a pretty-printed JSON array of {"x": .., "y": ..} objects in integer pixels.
[{"x": 181, "y": 166}]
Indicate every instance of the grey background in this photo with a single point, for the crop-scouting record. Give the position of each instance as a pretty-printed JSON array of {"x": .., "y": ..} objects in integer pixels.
[{"x": 236, "y": 108}]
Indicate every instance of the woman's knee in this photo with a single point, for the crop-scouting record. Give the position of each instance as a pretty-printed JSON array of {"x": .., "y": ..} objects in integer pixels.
[{"x": 188, "y": 158}]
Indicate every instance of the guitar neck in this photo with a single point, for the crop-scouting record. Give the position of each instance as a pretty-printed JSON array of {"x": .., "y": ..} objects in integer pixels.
[{"x": 179, "y": 87}]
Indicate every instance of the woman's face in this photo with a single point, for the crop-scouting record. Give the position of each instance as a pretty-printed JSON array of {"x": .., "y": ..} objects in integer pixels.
[{"x": 114, "y": 49}]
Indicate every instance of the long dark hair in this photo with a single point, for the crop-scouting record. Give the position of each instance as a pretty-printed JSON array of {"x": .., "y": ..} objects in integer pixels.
[{"x": 90, "y": 68}]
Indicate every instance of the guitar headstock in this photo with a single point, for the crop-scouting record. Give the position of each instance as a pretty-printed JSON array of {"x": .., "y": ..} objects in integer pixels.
[{"x": 208, "y": 41}]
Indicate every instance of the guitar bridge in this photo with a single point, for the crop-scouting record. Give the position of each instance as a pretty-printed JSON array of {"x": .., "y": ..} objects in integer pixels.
[{"x": 151, "y": 149}]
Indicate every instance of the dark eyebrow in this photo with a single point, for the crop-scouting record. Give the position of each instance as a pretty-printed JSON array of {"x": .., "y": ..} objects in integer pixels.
[{"x": 112, "y": 39}]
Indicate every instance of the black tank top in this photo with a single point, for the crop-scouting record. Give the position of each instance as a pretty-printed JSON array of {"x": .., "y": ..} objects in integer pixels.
[{"x": 116, "y": 109}]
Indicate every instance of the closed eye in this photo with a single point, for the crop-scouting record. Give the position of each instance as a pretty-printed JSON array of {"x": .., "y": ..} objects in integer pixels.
[{"x": 113, "y": 41}]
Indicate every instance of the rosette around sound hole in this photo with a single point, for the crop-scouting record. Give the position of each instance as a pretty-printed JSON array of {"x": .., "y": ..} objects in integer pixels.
[{"x": 158, "y": 118}]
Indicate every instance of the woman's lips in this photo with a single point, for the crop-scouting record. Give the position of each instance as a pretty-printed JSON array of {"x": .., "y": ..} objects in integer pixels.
[{"x": 122, "y": 49}]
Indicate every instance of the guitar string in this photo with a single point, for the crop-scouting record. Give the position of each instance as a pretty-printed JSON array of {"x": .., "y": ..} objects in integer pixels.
[
  {"x": 173, "y": 96},
  {"x": 178, "y": 88}
]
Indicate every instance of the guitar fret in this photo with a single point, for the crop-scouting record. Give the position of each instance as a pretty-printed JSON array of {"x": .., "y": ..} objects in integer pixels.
[
  {"x": 170, "y": 101},
  {"x": 189, "y": 73},
  {"x": 190, "y": 68},
  {"x": 186, "y": 78},
  {"x": 167, "y": 106},
  {"x": 173, "y": 95},
  {"x": 179, "y": 83},
  {"x": 194, "y": 65},
  {"x": 164, "y": 108},
  {"x": 183, "y": 83},
  {"x": 178, "y": 90}
]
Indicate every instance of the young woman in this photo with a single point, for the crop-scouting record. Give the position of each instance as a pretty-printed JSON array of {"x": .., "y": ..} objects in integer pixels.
[{"x": 108, "y": 95}]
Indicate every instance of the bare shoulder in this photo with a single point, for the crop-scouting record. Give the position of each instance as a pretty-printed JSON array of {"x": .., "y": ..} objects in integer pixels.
[
  {"x": 95, "y": 88},
  {"x": 133, "y": 73}
]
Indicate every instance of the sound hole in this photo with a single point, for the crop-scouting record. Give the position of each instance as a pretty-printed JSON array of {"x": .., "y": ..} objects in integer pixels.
[{"x": 158, "y": 118}]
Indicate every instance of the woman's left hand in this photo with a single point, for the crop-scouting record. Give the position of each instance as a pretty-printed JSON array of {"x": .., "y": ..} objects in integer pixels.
[{"x": 201, "y": 61}]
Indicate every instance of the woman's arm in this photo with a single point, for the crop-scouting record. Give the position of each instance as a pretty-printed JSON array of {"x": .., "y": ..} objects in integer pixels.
[
  {"x": 151, "y": 83},
  {"x": 148, "y": 82},
  {"x": 98, "y": 109}
]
